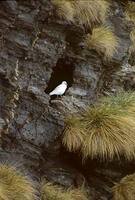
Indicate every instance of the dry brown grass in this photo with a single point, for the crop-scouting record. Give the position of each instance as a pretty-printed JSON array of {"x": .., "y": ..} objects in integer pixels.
[
  {"x": 55, "y": 192},
  {"x": 73, "y": 134},
  {"x": 86, "y": 13},
  {"x": 14, "y": 186},
  {"x": 132, "y": 38},
  {"x": 130, "y": 16},
  {"x": 130, "y": 11},
  {"x": 108, "y": 133},
  {"x": 64, "y": 9},
  {"x": 91, "y": 12},
  {"x": 125, "y": 190},
  {"x": 103, "y": 40},
  {"x": 108, "y": 129}
]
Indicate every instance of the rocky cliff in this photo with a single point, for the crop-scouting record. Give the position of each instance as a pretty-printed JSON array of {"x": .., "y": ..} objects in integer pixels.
[{"x": 38, "y": 52}]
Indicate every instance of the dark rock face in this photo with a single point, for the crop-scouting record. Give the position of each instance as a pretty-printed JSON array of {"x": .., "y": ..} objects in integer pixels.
[{"x": 44, "y": 48}]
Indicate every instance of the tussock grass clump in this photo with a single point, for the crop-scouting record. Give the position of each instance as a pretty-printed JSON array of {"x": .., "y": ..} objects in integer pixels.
[
  {"x": 13, "y": 185},
  {"x": 123, "y": 101},
  {"x": 64, "y": 9},
  {"x": 103, "y": 40},
  {"x": 130, "y": 11},
  {"x": 73, "y": 134},
  {"x": 130, "y": 16},
  {"x": 125, "y": 189},
  {"x": 55, "y": 192},
  {"x": 132, "y": 38},
  {"x": 91, "y": 12},
  {"x": 86, "y": 12},
  {"x": 108, "y": 129}
]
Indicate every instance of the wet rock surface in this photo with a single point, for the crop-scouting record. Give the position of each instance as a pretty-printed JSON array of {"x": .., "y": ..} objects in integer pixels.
[{"x": 30, "y": 34}]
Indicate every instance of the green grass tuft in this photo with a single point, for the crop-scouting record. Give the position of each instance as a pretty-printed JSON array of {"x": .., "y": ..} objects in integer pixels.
[
  {"x": 122, "y": 101},
  {"x": 106, "y": 129},
  {"x": 125, "y": 189}
]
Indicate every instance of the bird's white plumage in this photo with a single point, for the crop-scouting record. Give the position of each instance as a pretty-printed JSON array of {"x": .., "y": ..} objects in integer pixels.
[{"x": 60, "y": 89}]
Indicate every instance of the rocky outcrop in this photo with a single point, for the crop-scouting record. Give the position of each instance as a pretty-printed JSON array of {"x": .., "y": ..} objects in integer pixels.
[{"x": 48, "y": 51}]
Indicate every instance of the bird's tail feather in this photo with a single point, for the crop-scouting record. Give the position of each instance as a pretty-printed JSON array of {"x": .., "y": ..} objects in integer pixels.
[{"x": 51, "y": 93}]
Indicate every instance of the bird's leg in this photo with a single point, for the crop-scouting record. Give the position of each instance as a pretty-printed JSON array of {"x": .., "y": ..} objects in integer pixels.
[{"x": 58, "y": 96}]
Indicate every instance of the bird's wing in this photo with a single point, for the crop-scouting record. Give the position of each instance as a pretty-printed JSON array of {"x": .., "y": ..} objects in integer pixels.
[{"x": 57, "y": 90}]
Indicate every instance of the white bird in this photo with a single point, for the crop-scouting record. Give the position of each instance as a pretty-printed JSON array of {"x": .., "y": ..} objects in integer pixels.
[{"x": 60, "y": 89}]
